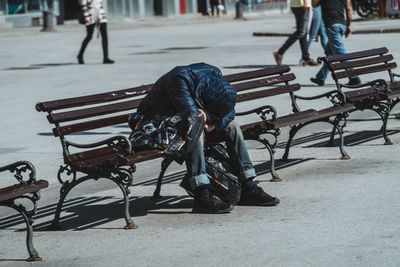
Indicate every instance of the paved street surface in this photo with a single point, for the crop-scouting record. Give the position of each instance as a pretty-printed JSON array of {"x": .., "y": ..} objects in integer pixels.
[{"x": 333, "y": 212}]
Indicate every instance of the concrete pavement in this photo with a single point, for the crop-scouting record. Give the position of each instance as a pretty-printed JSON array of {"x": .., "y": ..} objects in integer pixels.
[{"x": 332, "y": 212}]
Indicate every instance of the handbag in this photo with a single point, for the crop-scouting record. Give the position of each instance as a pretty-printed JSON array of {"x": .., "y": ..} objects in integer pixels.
[{"x": 81, "y": 18}]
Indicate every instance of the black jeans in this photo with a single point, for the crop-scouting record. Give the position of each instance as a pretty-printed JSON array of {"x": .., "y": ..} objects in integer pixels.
[
  {"x": 301, "y": 14},
  {"x": 89, "y": 35}
]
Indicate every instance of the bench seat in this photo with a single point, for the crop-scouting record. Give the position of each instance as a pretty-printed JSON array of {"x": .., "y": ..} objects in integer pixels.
[
  {"x": 102, "y": 160},
  {"x": 370, "y": 94},
  {"x": 17, "y": 190},
  {"x": 28, "y": 189}
]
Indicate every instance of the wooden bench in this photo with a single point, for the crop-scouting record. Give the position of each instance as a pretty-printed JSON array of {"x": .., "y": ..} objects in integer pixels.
[
  {"x": 114, "y": 159},
  {"x": 379, "y": 95},
  {"x": 26, "y": 188}
]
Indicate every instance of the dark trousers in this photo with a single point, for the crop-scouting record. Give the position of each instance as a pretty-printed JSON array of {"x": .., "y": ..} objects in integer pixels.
[
  {"x": 214, "y": 6},
  {"x": 89, "y": 36},
  {"x": 301, "y": 14}
]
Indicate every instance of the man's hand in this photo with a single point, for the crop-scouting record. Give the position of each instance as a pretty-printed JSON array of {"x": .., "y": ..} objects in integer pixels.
[
  {"x": 348, "y": 31},
  {"x": 209, "y": 128}
]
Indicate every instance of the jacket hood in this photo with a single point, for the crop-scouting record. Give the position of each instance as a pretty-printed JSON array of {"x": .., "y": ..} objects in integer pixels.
[{"x": 218, "y": 97}]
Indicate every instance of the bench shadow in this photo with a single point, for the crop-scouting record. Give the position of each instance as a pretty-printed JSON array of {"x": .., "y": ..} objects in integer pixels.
[
  {"x": 358, "y": 138},
  {"x": 4, "y": 260},
  {"x": 82, "y": 213},
  {"x": 41, "y": 66}
]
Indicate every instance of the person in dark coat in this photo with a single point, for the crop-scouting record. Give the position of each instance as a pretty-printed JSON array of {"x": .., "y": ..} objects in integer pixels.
[{"x": 188, "y": 91}]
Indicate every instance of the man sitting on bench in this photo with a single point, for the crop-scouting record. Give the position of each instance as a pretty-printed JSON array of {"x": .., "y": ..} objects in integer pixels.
[{"x": 190, "y": 91}]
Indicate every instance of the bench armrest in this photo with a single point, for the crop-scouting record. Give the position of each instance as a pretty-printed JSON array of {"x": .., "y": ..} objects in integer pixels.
[
  {"x": 336, "y": 97},
  {"x": 112, "y": 142},
  {"x": 380, "y": 85},
  {"x": 24, "y": 171},
  {"x": 263, "y": 111}
]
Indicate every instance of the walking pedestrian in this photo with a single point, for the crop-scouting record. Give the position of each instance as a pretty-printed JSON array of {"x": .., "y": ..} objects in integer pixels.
[
  {"x": 94, "y": 15},
  {"x": 336, "y": 15},
  {"x": 301, "y": 11},
  {"x": 214, "y": 7}
]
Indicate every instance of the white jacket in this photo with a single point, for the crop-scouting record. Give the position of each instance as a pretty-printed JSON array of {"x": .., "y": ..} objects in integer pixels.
[{"x": 94, "y": 10}]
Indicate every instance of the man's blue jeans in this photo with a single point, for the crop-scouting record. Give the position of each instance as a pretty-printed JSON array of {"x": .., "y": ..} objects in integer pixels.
[
  {"x": 335, "y": 46},
  {"x": 317, "y": 28},
  {"x": 233, "y": 137}
]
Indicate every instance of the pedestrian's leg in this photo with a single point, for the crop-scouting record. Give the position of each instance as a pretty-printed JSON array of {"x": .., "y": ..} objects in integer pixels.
[
  {"x": 196, "y": 165},
  {"x": 302, "y": 33},
  {"x": 315, "y": 25},
  {"x": 238, "y": 152},
  {"x": 89, "y": 35},
  {"x": 104, "y": 43},
  {"x": 295, "y": 36}
]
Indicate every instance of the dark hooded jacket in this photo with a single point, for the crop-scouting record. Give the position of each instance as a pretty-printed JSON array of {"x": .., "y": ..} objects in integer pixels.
[{"x": 185, "y": 89}]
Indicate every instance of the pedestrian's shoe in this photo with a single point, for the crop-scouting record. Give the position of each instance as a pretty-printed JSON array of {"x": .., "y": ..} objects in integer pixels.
[
  {"x": 108, "y": 61},
  {"x": 278, "y": 58},
  {"x": 253, "y": 195},
  {"x": 317, "y": 81},
  {"x": 206, "y": 202},
  {"x": 80, "y": 59},
  {"x": 354, "y": 81},
  {"x": 309, "y": 62}
]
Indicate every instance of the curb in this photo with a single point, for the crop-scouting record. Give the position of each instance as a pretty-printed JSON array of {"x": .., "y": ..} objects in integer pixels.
[{"x": 275, "y": 34}]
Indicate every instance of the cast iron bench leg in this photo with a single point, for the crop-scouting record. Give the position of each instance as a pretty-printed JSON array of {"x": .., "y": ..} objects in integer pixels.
[
  {"x": 33, "y": 254},
  {"x": 271, "y": 151},
  {"x": 164, "y": 166},
  {"x": 292, "y": 133}
]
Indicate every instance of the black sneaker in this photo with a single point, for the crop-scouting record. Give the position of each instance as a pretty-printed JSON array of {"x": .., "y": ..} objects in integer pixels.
[
  {"x": 317, "y": 81},
  {"x": 108, "y": 61},
  {"x": 354, "y": 81},
  {"x": 206, "y": 202},
  {"x": 253, "y": 195}
]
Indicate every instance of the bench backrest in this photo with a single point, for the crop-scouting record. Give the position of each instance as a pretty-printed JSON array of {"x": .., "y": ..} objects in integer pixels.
[
  {"x": 80, "y": 114},
  {"x": 360, "y": 63}
]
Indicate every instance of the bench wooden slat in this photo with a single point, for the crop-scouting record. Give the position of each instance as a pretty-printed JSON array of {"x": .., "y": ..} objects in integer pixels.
[
  {"x": 308, "y": 115},
  {"x": 361, "y": 94},
  {"x": 49, "y": 106},
  {"x": 92, "y": 99},
  {"x": 362, "y": 62},
  {"x": 267, "y": 92},
  {"x": 355, "y": 55},
  {"x": 90, "y": 125},
  {"x": 366, "y": 70},
  {"x": 267, "y": 81},
  {"x": 256, "y": 73},
  {"x": 105, "y": 157},
  {"x": 17, "y": 190},
  {"x": 93, "y": 111},
  {"x": 395, "y": 90}
]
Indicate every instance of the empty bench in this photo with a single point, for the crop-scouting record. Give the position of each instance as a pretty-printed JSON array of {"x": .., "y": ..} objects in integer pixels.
[
  {"x": 27, "y": 188},
  {"x": 113, "y": 158},
  {"x": 379, "y": 95}
]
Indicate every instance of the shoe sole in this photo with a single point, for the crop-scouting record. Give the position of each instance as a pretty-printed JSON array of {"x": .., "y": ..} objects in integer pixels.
[
  {"x": 264, "y": 204},
  {"x": 207, "y": 211}
]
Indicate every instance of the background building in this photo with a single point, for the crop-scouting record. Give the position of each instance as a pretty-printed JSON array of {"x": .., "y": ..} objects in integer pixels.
[{"x": 23, "y": 13}]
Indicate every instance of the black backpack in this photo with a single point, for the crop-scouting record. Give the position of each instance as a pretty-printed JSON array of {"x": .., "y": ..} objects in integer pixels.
[{"x": 224, "y": 183}]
